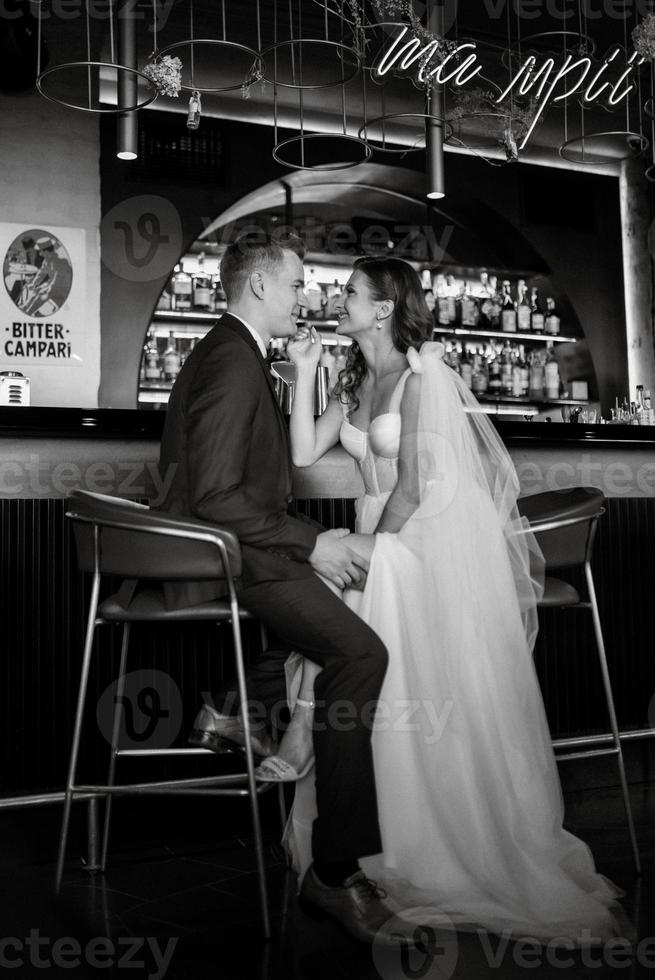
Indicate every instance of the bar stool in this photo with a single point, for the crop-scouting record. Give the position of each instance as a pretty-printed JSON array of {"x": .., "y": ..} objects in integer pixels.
[
  {"x": 123, "y": 538},
  {"x": 564, "y": 523}
]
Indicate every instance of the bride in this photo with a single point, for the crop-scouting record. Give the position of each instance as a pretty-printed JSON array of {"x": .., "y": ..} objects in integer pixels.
[{"x": 469, "y": 799}]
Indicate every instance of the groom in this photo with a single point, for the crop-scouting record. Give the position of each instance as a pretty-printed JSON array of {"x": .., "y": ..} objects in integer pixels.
[{"x": 225, "y": 439}]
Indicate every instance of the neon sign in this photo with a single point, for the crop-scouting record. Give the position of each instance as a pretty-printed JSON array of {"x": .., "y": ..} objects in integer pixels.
[{"x": 542, "y": 81}]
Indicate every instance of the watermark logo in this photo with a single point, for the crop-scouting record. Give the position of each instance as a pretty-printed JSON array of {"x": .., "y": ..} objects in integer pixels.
[
  {"x": 141, "y": 238},
  {"x": 146, "y": 954},
  {"x": 149, "y": 710},
  {"x": 421, "y": 950}
]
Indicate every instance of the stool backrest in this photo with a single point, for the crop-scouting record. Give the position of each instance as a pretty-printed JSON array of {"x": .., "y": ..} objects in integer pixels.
[
  {"x": 133, "y": 541},
  {"x": 564, "y": 522}
]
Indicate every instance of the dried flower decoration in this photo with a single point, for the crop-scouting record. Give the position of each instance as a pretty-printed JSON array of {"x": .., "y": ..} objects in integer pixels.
[
  {"x": 643, "y": 37},
  {"x": 507, "y": 123},
  {"x": 165, "y": 74}
]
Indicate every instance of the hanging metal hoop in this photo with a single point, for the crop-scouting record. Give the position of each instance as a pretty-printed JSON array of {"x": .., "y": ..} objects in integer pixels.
[
  {"x": 580, "y": 149},
  {"x": 348, "y": 63},
  {"x": 379, "y": 143},
  {"x": 214, "y": 51},
  {"x": 74, "y": 68},
  {"x": 305, "y": 143}
]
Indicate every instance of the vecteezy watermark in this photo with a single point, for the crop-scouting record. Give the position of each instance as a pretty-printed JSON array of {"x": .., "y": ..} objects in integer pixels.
[
  {"x": 419, "y": 943},
  {"x": 92, "y": 10},
  {"x": 616, "y": 478},
  {"x": 426, "y": 947},
  {"x": 566, "y": 13},
  {"x": 147, "y": 706},
  {"x": 340, "y": 238},
  {"x": 36, "y": 477},
  {"x": 425, "y": 717},
  {"x": 144, "y": 954},
  {"x": 141, "y": 238}
]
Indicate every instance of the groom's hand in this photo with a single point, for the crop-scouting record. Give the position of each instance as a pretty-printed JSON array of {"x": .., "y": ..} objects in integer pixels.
[{"x": 333, "y": 559}]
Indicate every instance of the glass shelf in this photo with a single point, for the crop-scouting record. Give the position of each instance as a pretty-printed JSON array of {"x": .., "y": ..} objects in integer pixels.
[
  {"x": 193, "y": 316},
  {"x": 473, "y": 332}
]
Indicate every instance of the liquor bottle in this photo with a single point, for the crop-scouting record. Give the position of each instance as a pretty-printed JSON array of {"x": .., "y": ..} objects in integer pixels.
[
  {"x": 219, "y": 293},
  {"x": 525, "y": 372},
  {"x": 184, "y": 354},
  {"x": 314, "y": 295},
  {"x": 517, "y": 380},
  {"x": 480, "y": 376},
  {"x": 491, "y": 305},
  {"x": 469, "y": 309},
  {"x": 202, "y": 284},
  {"x": 165, "y": 301},
  {"x": 551, "y": 372},
  {"x": 466, "y": 368},
  {"x": 506, "y": 371},
  {"x": 648, "y": 409},
  {"x": 339, "y": 352},
  {"x": 182, "y": 288},
  {"x": 552, "y": 319},
  {"x": 523, "y": 309},
  {"x": 443, "y": 303},
  {"x": 426, "y": 282},
  {"x": 151, "y": 357},
  {"x": 537, "y": 314},
  {"x": 536, "y": 375},
  {"x": 332, "y": 293},
  {"x": 495, "y": 384},
  {"x": 171, "y": 359},
  {"x": 508, "y": 312},
  {"x": 451, "y": 297}
]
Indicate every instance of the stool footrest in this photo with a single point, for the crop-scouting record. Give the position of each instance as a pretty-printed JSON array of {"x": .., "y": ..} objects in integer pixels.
[
  {"x": 165, "y": 784},
  {"x": 589, "y": 754}
]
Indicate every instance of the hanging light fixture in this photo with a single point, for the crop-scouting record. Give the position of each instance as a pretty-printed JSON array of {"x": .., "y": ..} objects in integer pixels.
[
  {"x": 128, "y": 124},
  {"x": 95, "y": 81},
  {"x": 295, "y": 64}
]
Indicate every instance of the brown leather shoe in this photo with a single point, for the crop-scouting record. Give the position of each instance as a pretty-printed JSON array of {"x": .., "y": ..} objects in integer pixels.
[
  {"x": 224, "y": 733},
  {"x": 356, "y": 905}
]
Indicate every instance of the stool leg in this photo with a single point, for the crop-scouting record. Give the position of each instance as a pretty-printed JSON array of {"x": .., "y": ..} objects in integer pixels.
[
  {"x": 77, "y": 730},
  {"x": 118, "y": 714},
  {"x": 252, "y": 784},
  {"x": 609, "y": 697}
]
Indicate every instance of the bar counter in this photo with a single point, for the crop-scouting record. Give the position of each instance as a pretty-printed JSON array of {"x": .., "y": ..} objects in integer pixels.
[{"x": 47, "y": 453}]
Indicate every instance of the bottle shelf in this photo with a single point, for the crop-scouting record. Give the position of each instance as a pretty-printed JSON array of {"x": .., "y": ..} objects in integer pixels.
[
  {"x": 188, "y": 316},
  {"x": 473, "y": 332}
]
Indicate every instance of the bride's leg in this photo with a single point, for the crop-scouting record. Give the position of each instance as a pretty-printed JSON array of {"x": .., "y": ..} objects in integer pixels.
[{"x": 296, "y": 751}]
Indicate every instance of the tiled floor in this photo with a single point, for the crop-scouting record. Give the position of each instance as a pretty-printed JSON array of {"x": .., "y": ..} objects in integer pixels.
[{"x": 180, "y": 901}]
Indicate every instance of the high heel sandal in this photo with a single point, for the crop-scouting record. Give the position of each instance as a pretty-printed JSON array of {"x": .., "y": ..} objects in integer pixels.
[{"x": 277, "y": 770}]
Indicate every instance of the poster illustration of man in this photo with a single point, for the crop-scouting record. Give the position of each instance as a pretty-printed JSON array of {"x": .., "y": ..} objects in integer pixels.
[{"x": 38, "y": 273}]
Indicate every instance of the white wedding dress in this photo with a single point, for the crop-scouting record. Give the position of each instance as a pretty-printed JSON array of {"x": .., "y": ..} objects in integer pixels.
[{"x": 470, "y": 805}]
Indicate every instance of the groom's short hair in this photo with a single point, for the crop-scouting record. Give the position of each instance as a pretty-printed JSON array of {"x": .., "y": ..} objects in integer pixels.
[{"x": 252, "y": 251}]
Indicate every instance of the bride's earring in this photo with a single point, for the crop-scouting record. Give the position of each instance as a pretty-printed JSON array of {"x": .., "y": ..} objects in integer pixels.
[{"x": 378, "y": 324}]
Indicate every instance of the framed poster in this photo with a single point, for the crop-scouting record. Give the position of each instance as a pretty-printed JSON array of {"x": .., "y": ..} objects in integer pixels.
[{"x": 42, "y": 296}]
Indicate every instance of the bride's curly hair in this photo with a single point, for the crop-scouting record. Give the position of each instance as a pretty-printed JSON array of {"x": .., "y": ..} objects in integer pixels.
[{"x": 411, "y": 322}]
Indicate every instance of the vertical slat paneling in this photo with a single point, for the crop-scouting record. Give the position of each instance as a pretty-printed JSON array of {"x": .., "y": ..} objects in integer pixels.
[{"x": 43, "y": 610}]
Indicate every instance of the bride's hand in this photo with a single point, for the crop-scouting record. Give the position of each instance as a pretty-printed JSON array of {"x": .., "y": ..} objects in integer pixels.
[{"x": 304, "y": 349}]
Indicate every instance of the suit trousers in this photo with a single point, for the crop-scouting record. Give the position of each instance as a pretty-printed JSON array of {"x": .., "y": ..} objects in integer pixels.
[{"x": 310, "y": 619}]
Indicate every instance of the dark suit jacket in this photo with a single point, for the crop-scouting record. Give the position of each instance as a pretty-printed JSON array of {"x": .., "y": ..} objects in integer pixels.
[{"x": 225, "y": 440}]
